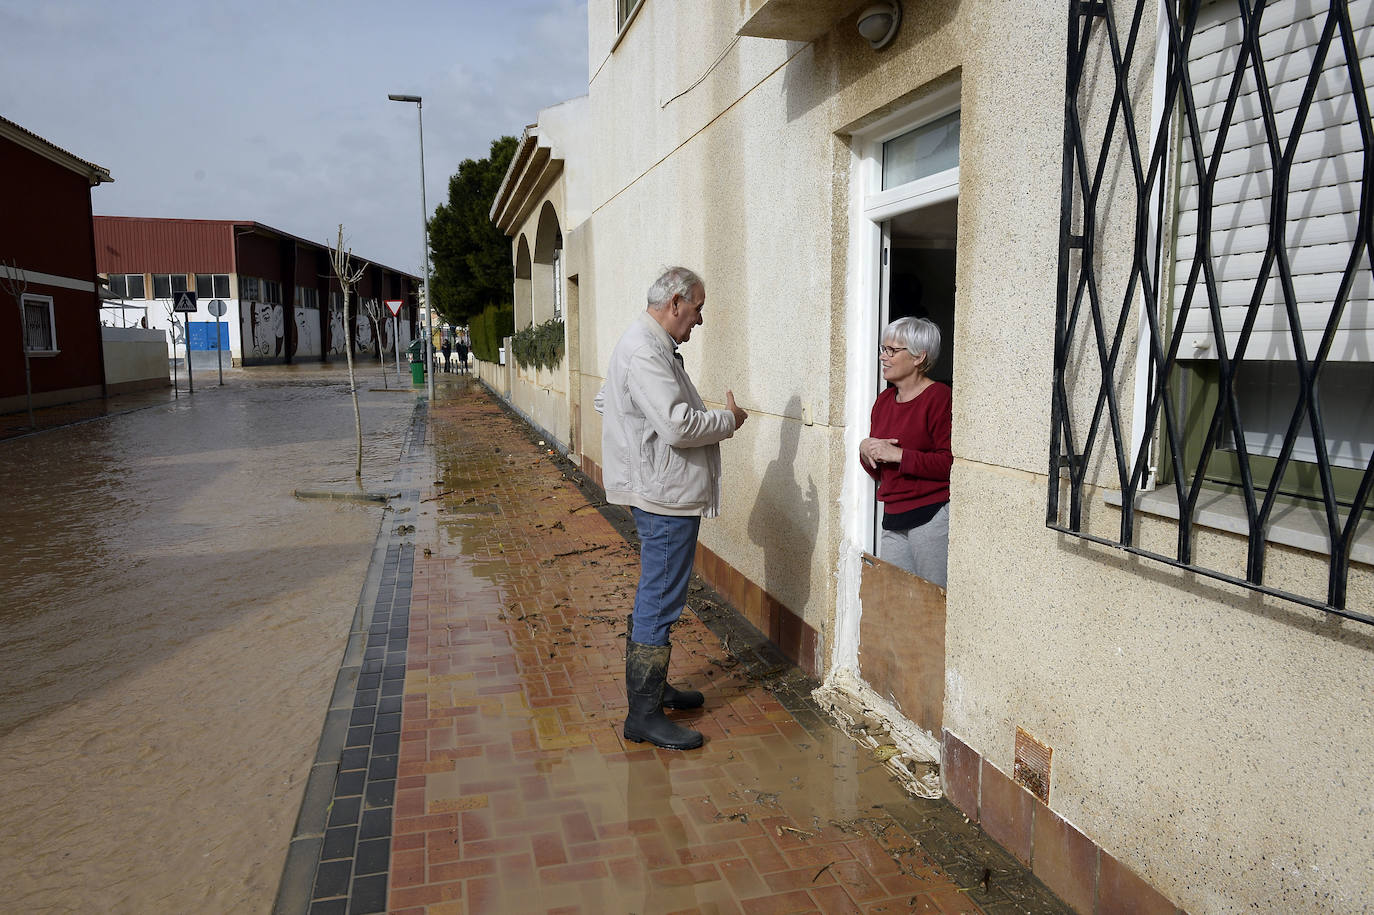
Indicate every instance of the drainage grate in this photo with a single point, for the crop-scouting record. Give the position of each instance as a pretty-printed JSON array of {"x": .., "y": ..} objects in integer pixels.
[{"x": 1032, "y": 769}]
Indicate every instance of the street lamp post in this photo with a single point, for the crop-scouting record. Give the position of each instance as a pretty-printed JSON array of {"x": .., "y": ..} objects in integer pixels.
[{"x": 424, "y": 240}]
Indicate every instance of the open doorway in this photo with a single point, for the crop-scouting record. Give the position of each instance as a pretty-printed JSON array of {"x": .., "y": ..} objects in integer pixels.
[
  {"x": 918, "y": 271},
  {"x": 921, "y": 250},
  {"x": 907, "y": 243}
]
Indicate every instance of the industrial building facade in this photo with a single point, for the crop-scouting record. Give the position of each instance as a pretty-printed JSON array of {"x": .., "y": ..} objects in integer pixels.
[{"x": 282, "y": 301}]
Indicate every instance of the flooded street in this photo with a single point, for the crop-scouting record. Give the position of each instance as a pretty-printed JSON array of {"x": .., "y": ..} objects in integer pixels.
[{"x": 171, "y": 623}]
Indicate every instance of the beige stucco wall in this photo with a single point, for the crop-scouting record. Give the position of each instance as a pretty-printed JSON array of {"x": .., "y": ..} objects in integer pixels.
[
  {"x": 541, "y": 394},
  {"x": 1215, "y": 741},
  {"x": 696, "y": 181}
]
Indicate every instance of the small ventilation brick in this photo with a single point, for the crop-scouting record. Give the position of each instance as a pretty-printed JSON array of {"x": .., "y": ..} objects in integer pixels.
[{"x": 1032, "y": 770}]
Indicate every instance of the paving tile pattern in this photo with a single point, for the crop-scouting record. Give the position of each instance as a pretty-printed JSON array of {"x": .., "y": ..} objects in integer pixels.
[
  {"x": 352, "y": 875},
  {"x": 514, "y": 790},
  {"x": 340, "y": 854}
]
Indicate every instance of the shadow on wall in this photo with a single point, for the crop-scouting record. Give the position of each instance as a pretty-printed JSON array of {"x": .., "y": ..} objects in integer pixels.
[{"x": 785, "y": 520}]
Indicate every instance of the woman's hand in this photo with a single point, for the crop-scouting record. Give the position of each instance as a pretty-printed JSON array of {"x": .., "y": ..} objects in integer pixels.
[{"x": 875, "y": 451}]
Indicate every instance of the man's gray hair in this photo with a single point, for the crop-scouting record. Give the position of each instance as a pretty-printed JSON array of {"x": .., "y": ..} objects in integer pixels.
[
  {"x": 674, "y": 281},
  {"x": 917, "y": 336}
]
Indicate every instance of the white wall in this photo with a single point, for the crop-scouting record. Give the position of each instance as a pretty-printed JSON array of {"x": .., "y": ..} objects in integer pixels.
[
  {"x": 158, "y": 319},
  {"x": 134, "y": 357}
]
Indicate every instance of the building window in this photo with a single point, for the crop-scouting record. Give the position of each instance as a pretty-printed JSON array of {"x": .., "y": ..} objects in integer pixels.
[
  {"x": 307, "y": 297},
  {"x": 1239, "y": 313},
  {"x": 40, "y": 330},
  {"x": 127, "y": 285},
  {"x": 1318, "y": 218},
  {"x": 558, "y": 278},
  {"x": 167, "y": 285},
  {"x": 250, "y": 289},
  {"x": 271, "y": 291},
  {"x": 928, "y": 150},
  {"x": 625, "y": 11},
  {"x": 212, "y": 286}
]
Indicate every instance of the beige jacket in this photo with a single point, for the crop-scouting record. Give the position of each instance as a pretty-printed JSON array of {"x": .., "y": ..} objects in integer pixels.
[{"x": 659, "y": 443}]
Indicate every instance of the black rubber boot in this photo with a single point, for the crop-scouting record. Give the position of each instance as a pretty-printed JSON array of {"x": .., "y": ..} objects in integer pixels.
[
  {"x": 678, "y": 699},
  {"x": 646, "y": 670}
]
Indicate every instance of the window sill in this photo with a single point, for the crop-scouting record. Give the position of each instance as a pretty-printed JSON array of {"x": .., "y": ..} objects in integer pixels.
[
  {"x": 626, "y": 26},
  {"x": 42, "y": 352},
  {"x": 1297, "y": 525}
]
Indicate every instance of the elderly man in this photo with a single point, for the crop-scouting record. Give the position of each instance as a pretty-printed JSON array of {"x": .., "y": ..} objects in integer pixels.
[{"x": 661, "y": 457}]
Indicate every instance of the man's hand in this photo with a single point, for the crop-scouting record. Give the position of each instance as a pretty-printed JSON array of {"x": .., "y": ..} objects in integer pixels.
[{"x": 740, "y": 415}]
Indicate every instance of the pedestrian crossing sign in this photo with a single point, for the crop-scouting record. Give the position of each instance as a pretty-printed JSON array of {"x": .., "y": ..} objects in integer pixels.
[{"x": 185, "y": 301}]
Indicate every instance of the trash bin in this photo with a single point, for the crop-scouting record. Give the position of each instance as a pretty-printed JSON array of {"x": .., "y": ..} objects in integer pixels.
[{"x": 417, "y": 373}]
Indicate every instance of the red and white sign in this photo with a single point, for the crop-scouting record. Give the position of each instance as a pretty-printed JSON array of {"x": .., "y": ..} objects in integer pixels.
[{"x": 394, "y": 305}]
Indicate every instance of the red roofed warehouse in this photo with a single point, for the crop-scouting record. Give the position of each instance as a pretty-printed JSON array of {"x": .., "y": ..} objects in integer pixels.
[{"x": 282, "y": 302}]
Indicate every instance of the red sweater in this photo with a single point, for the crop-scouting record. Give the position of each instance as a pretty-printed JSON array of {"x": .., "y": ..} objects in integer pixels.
[{"x": 921, "y": 427}]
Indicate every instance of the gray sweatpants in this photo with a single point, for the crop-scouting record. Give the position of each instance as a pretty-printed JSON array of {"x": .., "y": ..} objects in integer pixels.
[{"x": 923, "y": 550}]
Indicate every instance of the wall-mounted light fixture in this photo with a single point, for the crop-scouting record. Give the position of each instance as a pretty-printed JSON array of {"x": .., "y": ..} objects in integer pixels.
[{"x": 878, "y": 23}]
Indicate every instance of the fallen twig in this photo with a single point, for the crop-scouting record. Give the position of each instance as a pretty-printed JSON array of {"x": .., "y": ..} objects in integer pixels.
[
  {"x": 821, "y": 871},
  {"x": 590, "y": 549}
]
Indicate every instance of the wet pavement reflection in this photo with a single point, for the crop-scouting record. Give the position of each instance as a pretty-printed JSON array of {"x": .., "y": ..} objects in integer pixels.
[
  {"x": 171, "y": 623},
  {"x": 515, "y": 791}
]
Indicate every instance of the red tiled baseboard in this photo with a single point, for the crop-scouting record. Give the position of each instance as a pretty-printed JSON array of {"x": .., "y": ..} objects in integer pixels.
[
  {"x": 787, "y": 630},
  {"x": 592, "y": 469},
  {"x": 1071, "y": 864},
  {"x": 770, "y": 616}
]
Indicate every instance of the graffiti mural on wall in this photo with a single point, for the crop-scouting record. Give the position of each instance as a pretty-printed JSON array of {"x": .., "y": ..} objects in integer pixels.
[
  {"x": 384, "y": 335},
  {"x": 264, "y": 331},
  {"x": 336, "y": 331},
  {"x": 307, "y": 342},
  {"x": 364, "y": 343}
]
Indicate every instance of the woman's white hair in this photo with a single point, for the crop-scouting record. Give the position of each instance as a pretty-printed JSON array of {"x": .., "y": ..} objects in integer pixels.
[
  {"x": 673, "y": 281},
  {"x": 917, "y": 336}
]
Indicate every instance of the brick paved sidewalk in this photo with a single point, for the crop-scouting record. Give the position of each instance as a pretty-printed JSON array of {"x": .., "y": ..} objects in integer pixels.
[{"x": 514, "y": 791}]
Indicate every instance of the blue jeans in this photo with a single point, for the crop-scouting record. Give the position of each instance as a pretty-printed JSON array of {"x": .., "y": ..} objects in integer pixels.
[{"x": 667, "y": 548}]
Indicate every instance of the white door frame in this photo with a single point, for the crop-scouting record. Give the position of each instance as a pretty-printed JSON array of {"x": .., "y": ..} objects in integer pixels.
[{"x": 865, "y": 284}]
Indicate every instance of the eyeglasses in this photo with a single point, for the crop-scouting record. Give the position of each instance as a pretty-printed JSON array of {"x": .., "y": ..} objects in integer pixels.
[{"x": 890, "y": 351}]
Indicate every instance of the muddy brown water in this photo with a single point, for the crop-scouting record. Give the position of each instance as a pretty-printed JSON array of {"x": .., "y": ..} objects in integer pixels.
[{"x": 171, "y": 623}]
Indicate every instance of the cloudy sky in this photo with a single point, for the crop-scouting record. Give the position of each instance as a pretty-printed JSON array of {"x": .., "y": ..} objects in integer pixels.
[{"x": 277, "y": 110}]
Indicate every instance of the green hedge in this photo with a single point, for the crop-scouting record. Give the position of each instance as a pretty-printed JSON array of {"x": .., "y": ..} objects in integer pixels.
[
  {"x": 540, "y": 345},
  {"x": 487, "y": 330}
]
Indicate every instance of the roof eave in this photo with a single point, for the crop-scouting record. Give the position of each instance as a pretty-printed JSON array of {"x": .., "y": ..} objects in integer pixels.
[{"x": 95, "y": 174}]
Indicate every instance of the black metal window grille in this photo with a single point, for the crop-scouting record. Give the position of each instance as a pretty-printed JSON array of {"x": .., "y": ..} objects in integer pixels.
[{"x": 1105, "y": 139}]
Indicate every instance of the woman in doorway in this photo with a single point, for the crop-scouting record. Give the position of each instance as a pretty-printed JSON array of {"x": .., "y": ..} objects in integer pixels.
[{"x": 908, "y": 451}]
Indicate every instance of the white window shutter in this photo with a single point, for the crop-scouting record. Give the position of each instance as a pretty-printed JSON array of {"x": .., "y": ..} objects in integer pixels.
[{"x": 1323, "y": 199}]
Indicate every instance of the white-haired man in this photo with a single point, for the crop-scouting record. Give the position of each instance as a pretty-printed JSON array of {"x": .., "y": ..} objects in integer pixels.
[{"x": 660, "y": 456}]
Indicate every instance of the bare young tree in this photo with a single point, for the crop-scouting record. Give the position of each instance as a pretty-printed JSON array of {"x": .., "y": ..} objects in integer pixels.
[
  {"x": 348, "y": 276},
  {"x": 375, "y": 310},
  {"x": 16, "y": 284},
  {"x": 174, "y": 322}
]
